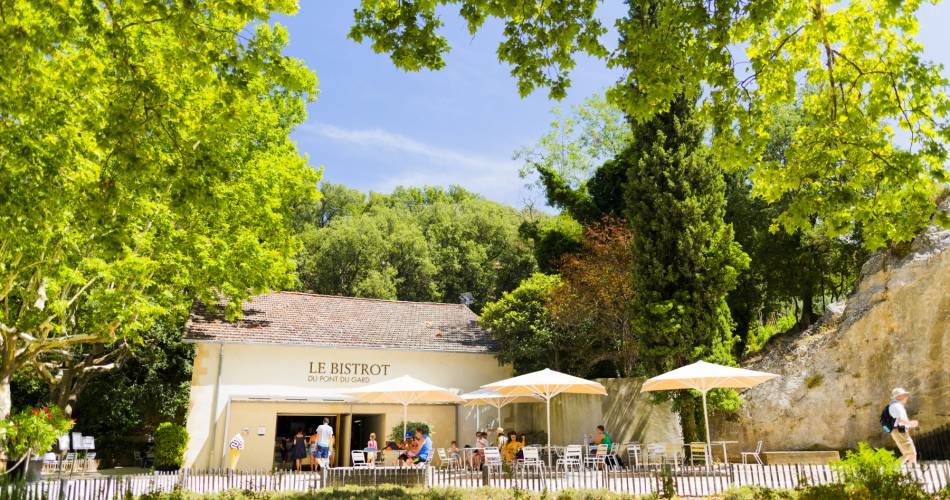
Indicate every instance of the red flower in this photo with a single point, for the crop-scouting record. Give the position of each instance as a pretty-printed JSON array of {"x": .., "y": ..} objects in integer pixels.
[{"x": 35, "y": 412}]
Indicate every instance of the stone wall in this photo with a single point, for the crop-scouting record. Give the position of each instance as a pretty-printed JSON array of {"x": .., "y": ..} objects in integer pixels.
[
  {"x": 894, "y": 330},
  {"x": 627, "y": 414}
]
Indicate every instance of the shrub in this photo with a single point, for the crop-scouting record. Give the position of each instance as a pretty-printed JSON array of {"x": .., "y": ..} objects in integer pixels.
[
  {"x": 394, "y": 492},
  {"x": 397, "y": 433},
  {"x": 758, "y": 493},
  {"x": 875, "y": 473},
  {"x": 33, "y": 431},
  {"x": 170, "y": 442}
]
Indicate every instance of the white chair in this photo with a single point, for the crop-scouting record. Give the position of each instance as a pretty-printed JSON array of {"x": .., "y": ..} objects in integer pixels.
[
  {"x": 656, "y": 453},
  {"x": 699, "y": 452},
  {"x": 599, "y": 459},
  {"x": 571, "y": 458},
  {"x": 69, "y": 463},
  {"x": 633, "y": 454},
  {"x": 448, "y": 463},
  {"x": 531, "y": 459},
  {"x": 358, "y": 459},
  {"x": 757, "y": 454},
  {"x": 91, "y": 464},
  {"x": 493, "y": 459}
]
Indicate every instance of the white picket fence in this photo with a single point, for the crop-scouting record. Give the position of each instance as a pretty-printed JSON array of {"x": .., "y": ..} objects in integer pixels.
[{"x": 687, "y": 481}]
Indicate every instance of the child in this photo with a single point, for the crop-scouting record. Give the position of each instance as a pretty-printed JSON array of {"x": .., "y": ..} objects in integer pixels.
[
  {"x": 454, "y": 454},
  {"x": 371, "y": 447}
]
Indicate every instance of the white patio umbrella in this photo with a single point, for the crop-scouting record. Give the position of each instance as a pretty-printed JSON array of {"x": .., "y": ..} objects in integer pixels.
[
  {"x": 494, "y": 399},
  {"x": 405, "y": 390},
  {"x": 702, "y": 376},
  {"x": 546, "y": 384}
]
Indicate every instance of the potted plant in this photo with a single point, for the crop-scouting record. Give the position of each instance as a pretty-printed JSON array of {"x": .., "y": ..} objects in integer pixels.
[{"x": 29, "y": 433}]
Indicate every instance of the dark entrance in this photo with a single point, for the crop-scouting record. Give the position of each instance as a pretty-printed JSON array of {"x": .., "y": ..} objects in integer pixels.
[
  {"x": 362, "y": 426},
  {"x": 287, "y": 427}
]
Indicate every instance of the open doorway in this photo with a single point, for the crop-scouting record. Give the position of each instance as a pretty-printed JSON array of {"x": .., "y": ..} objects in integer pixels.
[
  {"x": 362, "y": 426},
  {"x": 287, "y": 427}
]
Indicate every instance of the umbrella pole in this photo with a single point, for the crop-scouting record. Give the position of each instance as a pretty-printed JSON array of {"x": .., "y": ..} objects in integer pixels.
[
  {"x": 478, "y": 413},
  {"x": 547, "y": 404},
  {"x": 706, "y": 418},
  {"x": 499, "y": 416}
]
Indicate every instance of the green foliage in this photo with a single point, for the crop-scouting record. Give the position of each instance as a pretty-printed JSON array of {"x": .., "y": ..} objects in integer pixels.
[
  {"x": 758, "y": 493},
  {"x": 872, "y": 472},
  {"x": 857, "y": 67},
  {"x": 576, "y": 144},
  {"x": 540, "y": 38},
  {"x": 685, "y": 258},
  {"x": 122, "y": 406},
  {"x": 170, "y": 442},
  {"x": 398, "y": 433},
  {"x": 524, "y": 329},
  {"x": 32, "y": 431},
  {"x": 137, "y": 172},
  {"x": 422, "y": 244},
  {"x": 813, "y": 380},
  {"x": 788, "y": 268},
  {"x": 762, "y": 333},
  {"x": 554, "y": 238}
]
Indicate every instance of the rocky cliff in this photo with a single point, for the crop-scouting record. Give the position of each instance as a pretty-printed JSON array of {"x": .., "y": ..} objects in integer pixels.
[{"x": 894, "y": 330}]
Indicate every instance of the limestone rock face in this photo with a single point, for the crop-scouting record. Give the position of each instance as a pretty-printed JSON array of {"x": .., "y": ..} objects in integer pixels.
[{"x": 836, "y": 377}]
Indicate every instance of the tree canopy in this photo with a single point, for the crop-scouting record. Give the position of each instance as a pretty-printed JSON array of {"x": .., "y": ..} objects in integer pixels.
[
  {"x": 138, "y": 172},
  {"x": 422, "y": 244},
  {"x": 856, "y": 67}
]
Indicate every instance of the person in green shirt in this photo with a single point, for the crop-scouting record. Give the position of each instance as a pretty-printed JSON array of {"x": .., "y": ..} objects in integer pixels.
[{"x": 603, "y": 438}]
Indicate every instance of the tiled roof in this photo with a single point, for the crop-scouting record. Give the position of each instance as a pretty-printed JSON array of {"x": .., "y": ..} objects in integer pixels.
[{"x": 329, "y": 321}]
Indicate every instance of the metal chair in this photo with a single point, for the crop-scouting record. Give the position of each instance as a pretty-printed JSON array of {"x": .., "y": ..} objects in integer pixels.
[
  {"x": 493, "y": 459},
  {"x": 754, "y": 454},
  {"x": 91, "y": 464},
  {"x": 571, "y": 458},
  {"x": 358, "y": 459},
  {"x": 599, "y": 459},
  {"x": 531, "y": 459},
  {"x": 699, "y": 452},
  {"x": 69, "y": 463},
  {"x": 447, "y": 463},
  {"x": 633, "y": 454},
  {"x": 656, "y": 454}
]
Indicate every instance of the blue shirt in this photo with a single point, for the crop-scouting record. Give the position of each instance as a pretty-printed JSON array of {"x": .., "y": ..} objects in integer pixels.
[{"x": 426, "y": 448}]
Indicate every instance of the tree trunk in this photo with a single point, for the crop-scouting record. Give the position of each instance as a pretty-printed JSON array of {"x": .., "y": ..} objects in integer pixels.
[
  {"x": 6, "y": 406},
  {"x": 6, "y": 401}
]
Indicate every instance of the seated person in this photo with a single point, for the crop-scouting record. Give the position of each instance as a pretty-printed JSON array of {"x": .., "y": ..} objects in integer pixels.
[
  {"x": 454, "y": 454},
  {"x": 602, "y": 437},
  {"x": 421, "y": 450},
  {"x": 409, "y": 448},
  {"x": 510, "y": 451},
  {"x": 481, "y": 442}
]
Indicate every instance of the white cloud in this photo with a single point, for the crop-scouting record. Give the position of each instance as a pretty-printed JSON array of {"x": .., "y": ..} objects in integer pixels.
[{"x": 410, "y": 162}]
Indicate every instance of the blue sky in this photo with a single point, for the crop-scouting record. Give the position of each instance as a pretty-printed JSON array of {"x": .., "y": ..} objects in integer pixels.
[{"x": 374, "y": 127}]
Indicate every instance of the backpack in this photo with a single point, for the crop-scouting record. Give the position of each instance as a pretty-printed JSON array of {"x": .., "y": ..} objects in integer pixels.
[{"x": 887, "y": 421}]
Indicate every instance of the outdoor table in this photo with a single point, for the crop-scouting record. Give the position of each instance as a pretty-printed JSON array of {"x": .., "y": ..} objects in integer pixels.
[{"x": 725, "y": 452}]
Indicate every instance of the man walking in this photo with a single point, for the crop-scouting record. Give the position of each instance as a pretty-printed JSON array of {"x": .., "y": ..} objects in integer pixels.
[
  {"x": 900, "y": 425},
  {"x": 324, "y": 441}
]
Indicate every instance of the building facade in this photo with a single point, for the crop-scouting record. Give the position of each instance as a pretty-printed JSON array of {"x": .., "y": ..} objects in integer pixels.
[{"x": 285, "y": 364}]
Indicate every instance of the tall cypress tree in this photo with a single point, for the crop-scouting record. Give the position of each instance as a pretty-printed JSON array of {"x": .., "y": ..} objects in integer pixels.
[{"x": 685, "y": 258}]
